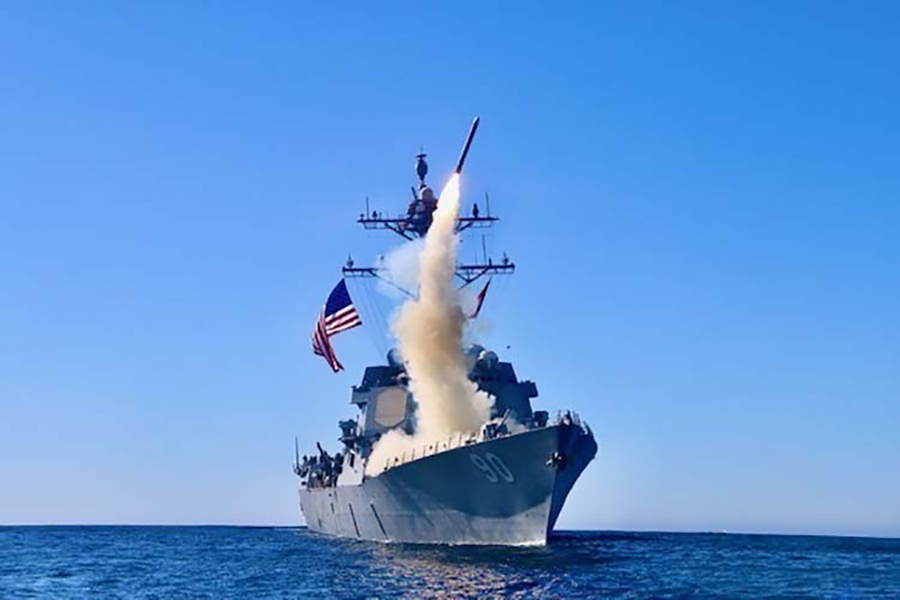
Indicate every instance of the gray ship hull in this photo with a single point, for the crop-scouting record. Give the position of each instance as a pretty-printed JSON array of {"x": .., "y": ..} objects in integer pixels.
[{"x": 509, "y": 491}]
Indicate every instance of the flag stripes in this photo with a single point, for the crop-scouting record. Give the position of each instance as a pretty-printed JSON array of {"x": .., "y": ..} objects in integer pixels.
[{"x": 337, "y": 315}]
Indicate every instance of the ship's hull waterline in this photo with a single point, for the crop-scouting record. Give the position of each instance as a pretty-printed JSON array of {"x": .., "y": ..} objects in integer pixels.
[{"x": 505, "y": 491}]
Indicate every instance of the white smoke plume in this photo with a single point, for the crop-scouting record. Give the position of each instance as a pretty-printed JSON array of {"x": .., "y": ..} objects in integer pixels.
[
  {"x": 402, "y": 268},
  {"x": 429, "y": 331}
]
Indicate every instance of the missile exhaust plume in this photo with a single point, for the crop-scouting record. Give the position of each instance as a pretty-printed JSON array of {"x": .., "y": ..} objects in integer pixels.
[{"x": 429, "y": 331}]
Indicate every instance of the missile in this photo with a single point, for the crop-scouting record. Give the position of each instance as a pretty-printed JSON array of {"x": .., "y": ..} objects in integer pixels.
[{"x": 465, "y": 150}]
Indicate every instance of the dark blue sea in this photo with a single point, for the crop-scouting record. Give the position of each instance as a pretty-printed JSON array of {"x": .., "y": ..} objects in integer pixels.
[{"x": 241, "y": 562}]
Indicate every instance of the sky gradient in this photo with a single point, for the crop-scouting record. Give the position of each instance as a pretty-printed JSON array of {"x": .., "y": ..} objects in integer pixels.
[{"x": 701, "y": 197}]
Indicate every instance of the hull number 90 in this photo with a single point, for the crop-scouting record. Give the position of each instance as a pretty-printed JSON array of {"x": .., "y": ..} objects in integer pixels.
[{"x": 493, "y": 469}]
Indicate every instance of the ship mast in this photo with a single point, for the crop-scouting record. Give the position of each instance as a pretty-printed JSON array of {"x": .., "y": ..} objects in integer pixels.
[{"x": 417, "y": 220}]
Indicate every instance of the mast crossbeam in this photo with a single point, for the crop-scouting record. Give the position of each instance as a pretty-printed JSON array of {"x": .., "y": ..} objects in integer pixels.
[
  {"x": 465, "y": 273},
  {"x": 407, "y": 228}
]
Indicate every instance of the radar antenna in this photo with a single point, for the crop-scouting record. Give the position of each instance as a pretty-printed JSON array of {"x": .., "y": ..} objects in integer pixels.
[{"x": 418, "y": 218}]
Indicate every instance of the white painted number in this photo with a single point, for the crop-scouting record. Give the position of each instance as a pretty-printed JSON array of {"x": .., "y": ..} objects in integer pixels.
[
  {"x": 492, "y": 467},
  {"x": 500, "y": 467},
  {"x": 484, "y": 468}
]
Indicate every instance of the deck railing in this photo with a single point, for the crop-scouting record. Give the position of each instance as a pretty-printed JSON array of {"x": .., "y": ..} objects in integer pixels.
[
  {"x": 454, "y": 441},
  {"x": 464, "y": 439}
]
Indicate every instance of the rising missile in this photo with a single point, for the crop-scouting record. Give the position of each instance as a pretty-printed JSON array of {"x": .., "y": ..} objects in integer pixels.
[{"x": 465, "y": 150}]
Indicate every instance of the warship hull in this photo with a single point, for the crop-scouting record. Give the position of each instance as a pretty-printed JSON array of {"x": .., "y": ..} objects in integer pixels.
[{"x": 505, "y": 491}]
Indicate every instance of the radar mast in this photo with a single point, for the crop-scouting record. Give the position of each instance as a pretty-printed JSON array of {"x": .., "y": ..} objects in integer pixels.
[{"x": 416, "y": 222}]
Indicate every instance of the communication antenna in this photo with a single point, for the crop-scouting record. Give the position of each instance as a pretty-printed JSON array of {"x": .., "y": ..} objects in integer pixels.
[{"x": 416, "y": 222}]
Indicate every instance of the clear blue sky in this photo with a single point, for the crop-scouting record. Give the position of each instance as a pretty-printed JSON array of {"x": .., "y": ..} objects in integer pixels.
[{"x": 703, "y": 199}]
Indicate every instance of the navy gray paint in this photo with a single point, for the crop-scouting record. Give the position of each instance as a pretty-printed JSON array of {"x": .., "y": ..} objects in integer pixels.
[{"x": 503, "y": 485}]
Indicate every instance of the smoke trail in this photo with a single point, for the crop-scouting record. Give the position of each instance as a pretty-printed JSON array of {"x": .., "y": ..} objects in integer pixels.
[
  {"x": 429, "y": 331},
  {"x": 402, "y": 268}
]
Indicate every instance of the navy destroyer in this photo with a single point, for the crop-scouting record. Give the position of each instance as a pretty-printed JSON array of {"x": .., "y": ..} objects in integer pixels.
[{"x": 503, "y": 482}]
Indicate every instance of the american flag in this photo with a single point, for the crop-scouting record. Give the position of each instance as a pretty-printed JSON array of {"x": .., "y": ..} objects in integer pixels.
[{"x": 337, "y": 315}]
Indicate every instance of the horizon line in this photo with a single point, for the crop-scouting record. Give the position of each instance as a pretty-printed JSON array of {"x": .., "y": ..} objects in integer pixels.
[{"x": 555, "y": 532}]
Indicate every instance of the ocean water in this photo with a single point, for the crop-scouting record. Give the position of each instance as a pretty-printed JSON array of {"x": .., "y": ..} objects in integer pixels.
[{"x": 240, "y": 562}]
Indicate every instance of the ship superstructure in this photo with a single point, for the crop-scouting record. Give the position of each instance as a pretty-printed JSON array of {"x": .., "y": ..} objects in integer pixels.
[{"x": 504, "y": 483}]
